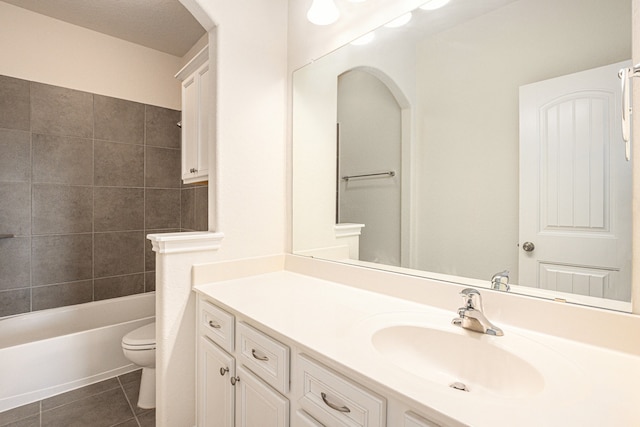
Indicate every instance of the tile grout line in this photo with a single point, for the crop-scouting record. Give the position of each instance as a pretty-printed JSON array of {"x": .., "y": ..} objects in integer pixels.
[{"x": 131, "y": 408}]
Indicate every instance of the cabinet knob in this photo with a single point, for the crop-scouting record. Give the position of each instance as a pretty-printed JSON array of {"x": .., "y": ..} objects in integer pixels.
[
  {"x": 223, "y": 371},
  {"x": 193, "y": 170},
  {"x": 234, "y": 380}
]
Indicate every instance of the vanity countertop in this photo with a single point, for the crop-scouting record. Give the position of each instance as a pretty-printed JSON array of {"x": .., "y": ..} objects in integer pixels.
[{"x": 589, "y": 385}]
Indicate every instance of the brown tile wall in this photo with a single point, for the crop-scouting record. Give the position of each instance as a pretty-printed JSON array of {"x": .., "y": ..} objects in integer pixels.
[{"x": 83, "y": 179}]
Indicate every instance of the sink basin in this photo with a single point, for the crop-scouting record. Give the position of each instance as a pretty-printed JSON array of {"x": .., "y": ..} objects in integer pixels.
[
  {"x": 426, "y": 353},
  {"x": 469, "y": 363}
]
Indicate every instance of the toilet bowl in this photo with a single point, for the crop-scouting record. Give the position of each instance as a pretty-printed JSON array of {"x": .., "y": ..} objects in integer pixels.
[{"x": 139, "y": 346}]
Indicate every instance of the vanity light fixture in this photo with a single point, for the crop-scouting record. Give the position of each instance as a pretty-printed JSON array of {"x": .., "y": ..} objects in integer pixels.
[
  {"x": 367, "y": 38},
  {"x": 399, "y": 22},
  {"x": 323, "y": 12},
  {"x": 434, "y": 4}
]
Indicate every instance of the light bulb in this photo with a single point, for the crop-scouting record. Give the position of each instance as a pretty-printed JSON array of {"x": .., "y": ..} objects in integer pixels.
[
  {"x": 434, "y": 4},
  {"x": 367, "y": 38},
  {"x": 399, "y": 22},
  {"x": 323, "y": 12}
]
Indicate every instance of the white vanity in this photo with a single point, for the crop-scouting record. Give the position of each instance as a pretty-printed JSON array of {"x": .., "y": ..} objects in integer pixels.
[{"x": 287, "y": 347}]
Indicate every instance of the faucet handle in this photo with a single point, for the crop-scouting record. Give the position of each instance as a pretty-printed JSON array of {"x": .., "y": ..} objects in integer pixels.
[{"x": 468, "y": 295}]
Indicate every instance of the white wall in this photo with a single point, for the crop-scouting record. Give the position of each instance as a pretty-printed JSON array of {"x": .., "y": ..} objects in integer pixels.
[
  {"x": 248, "y": 201},
  {"x": 38, "y": 48}
]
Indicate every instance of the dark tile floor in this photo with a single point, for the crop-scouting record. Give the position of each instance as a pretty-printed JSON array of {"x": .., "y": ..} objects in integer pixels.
[{"x": 110, "y": 403}]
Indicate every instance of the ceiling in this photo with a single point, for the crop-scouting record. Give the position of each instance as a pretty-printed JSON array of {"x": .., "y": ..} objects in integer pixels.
[{"x": 163, "y": 25}]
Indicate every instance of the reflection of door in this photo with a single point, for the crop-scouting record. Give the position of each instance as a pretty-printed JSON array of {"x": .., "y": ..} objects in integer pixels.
[
  {"x": 575, "y": 186},
  {"x": 370, "y": 143}
]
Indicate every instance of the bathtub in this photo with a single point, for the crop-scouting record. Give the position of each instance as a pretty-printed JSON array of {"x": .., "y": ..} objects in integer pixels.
[{"x": 48, "y": 352}]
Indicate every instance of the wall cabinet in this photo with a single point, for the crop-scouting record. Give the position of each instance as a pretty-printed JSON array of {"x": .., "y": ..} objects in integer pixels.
[{"x": 197, "y": 102}]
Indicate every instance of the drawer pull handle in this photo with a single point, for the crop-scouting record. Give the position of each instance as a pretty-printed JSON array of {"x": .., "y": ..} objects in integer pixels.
[
  {"x": 223, "y": 371},
  {"x": 333, "y": 405},
  {"x": 214, "y": 325},
  {"x": 258, "y": 356}
]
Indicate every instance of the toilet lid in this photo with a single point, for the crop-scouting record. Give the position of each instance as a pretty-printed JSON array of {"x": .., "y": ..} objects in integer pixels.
[{"x": 143, "y": 336}]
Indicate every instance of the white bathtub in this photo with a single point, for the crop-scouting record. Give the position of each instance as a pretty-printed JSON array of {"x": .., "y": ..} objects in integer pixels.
[{"x": 48, "y": 352}]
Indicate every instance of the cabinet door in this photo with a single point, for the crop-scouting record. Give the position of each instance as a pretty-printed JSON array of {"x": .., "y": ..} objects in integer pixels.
[
  {"x": 190, "y": 100},
  {"x": 257, "y": 404},
  {"x": 216, "y": 397}
]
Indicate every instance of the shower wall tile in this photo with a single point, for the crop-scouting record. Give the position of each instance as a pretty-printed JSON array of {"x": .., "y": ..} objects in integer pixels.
[
  {"x": 162, "y": 168},
  {"x": 15, "y": 155},
  {"x": 61, "y": 111},
  {"x": 118, "y": 253},
  {"x": 62, "y": 294},
  {"x": 15, "y": 302},
  {"x": 162, "y": 209},
  {"x": 117, "y": 209},
  {"x": 75, "y": 154},
  {"x": 61, "y": 258},
  {"x": 201, "y": 208},
  {"x": 83, "y": 179},
  {"x": 188, "y": 209},
  {"x": 60, "y": 209},
  {"x": 162, "y": 127},
  {"x": 119, "y": 286},
  {"x": 15, "y": 209},
  {"x": 15, "y": 107},
  {"x": 118, "y": 164},
  {"x": 150, "y": 281},
  {"x": 15, "y": 263},
  {"x": 118, "y": 120}
]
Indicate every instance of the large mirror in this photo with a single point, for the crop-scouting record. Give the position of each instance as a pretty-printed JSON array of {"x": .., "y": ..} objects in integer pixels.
[{"x": 479, "y": 140}]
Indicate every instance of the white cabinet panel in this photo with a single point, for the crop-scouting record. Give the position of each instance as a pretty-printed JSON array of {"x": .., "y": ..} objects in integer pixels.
[
  {"x": 197, "y": 108},
  {"x": 257, "y": 404},
  {"x": 216, "y": 398}
]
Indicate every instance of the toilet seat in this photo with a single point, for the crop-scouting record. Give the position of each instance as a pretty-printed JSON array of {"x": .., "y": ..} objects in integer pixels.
[{"x": 143, "y": 338}]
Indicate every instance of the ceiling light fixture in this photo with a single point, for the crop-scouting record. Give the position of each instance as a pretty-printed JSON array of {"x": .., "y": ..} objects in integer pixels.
[
  {"x": 323, "y": 12},
  {"x": 434, "y": 4},
  {"x": 399, "y": 22}
]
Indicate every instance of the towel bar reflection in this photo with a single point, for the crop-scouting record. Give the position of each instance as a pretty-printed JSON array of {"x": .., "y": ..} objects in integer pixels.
[
  {"x": 7, "y": 236},
  {"x": 389, "y": 174}
]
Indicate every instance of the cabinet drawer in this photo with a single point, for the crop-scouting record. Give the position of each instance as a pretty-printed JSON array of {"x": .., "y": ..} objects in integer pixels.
[
  {"x": 333, "y": 400},
  {"x": 266, "y": 357},
  {"x": 217, "y": 324},
  {"x": 414, "y": 420}
]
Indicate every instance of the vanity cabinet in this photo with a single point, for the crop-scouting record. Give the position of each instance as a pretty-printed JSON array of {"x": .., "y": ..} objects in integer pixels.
[
  {"x": 196, "y": 110},
  {"x": 246, "y": 377},
  {"x": 237, "y": 386}
]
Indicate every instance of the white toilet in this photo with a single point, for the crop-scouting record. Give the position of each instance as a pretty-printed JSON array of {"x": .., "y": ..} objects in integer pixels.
[{"x": 139, "y": 346}]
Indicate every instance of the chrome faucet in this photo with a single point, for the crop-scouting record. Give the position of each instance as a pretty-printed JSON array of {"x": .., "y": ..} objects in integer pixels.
[
  {"x": 500, "y": 281},
  {"x": 471, "y": 316}
]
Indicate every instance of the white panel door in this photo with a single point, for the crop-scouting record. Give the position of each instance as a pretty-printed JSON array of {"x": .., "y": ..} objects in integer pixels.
[
  {"x": 575, "y": 186},
  {"x": 216, "y": 395}
]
